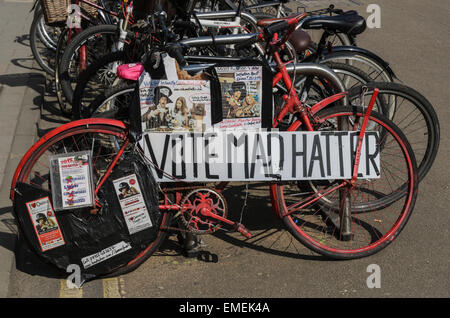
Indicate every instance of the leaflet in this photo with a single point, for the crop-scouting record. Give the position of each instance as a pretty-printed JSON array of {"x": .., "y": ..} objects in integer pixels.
[
  {"x": 132, "y": 203},
  {"x": 45, "y": 223},
  {"x": 72, "y": 185},
  {"x": 241, "y": 88}
]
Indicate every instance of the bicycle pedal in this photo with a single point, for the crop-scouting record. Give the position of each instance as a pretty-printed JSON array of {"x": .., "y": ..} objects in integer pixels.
[{"x": 243, "y": 230}]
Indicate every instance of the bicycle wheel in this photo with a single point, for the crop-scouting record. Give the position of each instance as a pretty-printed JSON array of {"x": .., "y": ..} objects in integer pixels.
[
  {"x": 353, "y": 221},
  {"x": 104, "y": 139},
  {"x": 42, "y": 49},
  {"x": 114, "y": 103},
  {"x": 91, "y": 44},
  {"x": 63, "y": 41},
  {"x": 48, "y": 34},
  {"x": 412, "y": 113},
  {"x": 370, "y": 66},
  {"x": 350, "y": 75},
  {"x": 93, "y": 82}
]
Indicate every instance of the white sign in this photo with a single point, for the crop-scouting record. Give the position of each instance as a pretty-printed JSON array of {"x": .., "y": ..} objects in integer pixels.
[
  {"x": 105, "y": 254},
  {"x": 256, "y": 156},
  {"x": 132, "y": 203}
]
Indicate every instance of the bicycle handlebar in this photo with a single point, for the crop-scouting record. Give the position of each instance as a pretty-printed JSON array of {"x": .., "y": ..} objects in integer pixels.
[
  {"x": 267, "y": 33},
  {"x": 247, "y": 43}
]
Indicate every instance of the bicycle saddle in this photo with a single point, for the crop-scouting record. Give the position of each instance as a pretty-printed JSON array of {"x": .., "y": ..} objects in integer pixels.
[
  {"x": 300, "y": 40},
  {"x": 349, "y": 22},
  {"x": 268, "y": 21}
]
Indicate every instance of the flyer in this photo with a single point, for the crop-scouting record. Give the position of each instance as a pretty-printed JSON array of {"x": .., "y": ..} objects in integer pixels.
[
  {"x": 74, "y": 176},
  {"x": 132, "y": 204},
  {"x": 71, "y": 177},
  {"x": 105, "y": 254},
  {"x": 174, "y": 105},
  {"x": 45, "y": 223},
  {"x": 241, "y": 88}
]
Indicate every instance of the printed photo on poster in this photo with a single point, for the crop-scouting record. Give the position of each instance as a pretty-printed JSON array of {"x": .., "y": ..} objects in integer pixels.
[
  {"x": 241, "y": 89},
  {"x": 181, "y": 105},
  {"x": 45, "y": 224},
  {"x": 72, "y": 180},
  {"x": 132, "y": 203}
]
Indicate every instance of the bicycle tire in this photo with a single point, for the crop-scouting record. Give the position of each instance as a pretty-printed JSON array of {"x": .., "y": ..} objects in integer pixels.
[
  {"x": 122, "y": 93},
  {"x": 68, "y": 58},
  {"x": 376, "y": 70},
  {"x": 49, "y": 143},
  {"x": 376, "y": 240},
  {"x": 81, "y": 103},
  {"x": 348, "y": 71},
  {"x": 66, "y": 110},
  {"x": 34, "y": 39},
  {"x": 45, "y": 33}
]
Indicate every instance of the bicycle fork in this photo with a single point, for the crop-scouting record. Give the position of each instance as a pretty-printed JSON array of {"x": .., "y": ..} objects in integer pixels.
[{"x": 345, "y": 193}]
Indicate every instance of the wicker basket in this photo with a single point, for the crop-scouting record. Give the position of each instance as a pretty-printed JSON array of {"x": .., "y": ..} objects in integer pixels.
[{"x": 55, "y": 11}]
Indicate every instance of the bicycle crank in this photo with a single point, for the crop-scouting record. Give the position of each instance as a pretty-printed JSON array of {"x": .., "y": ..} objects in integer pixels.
[{"x": 203, "y": 211}]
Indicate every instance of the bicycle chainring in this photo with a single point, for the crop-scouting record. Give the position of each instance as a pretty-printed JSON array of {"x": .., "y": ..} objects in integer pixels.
[{"x": 196, "y": 207}]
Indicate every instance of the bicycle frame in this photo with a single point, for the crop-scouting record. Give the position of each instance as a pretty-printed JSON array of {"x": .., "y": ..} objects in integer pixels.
[{"x": 294, "y": 106}]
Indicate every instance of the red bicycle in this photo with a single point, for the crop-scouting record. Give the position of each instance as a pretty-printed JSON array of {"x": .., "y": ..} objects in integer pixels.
[{"x": 341, "y": 219}]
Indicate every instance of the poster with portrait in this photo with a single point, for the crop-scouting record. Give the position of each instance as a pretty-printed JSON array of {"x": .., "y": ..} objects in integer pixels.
[
  {"x": 241, "y": 88},
  {"x": 174, "y": 105},
  {"x": 45, "y": 224},
  {"x": 132, "y": 203}
]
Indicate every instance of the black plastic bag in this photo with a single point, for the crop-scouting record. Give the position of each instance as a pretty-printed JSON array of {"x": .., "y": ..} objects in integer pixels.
[{"x": 98, "y": 242}]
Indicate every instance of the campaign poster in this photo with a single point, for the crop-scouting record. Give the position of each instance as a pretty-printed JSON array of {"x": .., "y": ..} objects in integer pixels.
[
  {"x": 132, "y": 203},
  {"x": 72, "y": 185},
  {"x": 241, "y": 88},
  {"x": 45, "y": 223},
  {"x": 174, "y": 105},
  {"x": 251, "y": 155}
]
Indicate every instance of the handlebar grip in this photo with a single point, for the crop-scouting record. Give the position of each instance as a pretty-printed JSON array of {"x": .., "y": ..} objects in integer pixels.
[
  {"x": 276, "y": 27},
  {"x": 246, "y": 43}
]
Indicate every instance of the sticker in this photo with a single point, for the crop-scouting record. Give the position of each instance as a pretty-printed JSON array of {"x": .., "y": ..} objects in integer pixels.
[
  {"x": 105, "y": 254},
  {"x": 45, "y": 224},
  {"x": 132, "y": 203}
]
